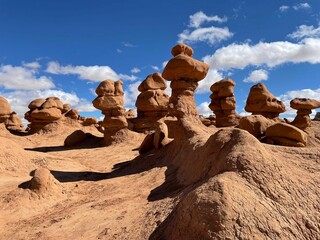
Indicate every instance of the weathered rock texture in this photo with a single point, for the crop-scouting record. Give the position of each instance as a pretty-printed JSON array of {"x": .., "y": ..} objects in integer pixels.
[
  {"x": 152, "y": 103},
  {"x": 304, "y": 107},
  {"x": 5, "y": 109},
  {"x": 11, "y": 120},
  {"x": 261, "y": 101},
  {"x": 286, "y": 135},
  {"x": 110, "y": 102},
  {"x": 223, "y": 103},
  {"x": 42, "y": 112},
  {"x": 184, "y": 72},
  {"x": 14, "y": 123}
]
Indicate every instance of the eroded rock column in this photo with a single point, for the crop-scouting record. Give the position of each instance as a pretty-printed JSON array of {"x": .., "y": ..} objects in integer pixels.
[
  {"x": 184, "y": 72},
  {"x": 223, "y": 103},
  {"x": 304, "y": 107},
  {"x": 110, "y": 102}
]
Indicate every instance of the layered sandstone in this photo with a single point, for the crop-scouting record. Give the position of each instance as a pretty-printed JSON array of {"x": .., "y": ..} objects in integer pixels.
[
  {"x": 110, "y": 102},
  {"x": 152, "y": 103},
  {"x": 223, "y": 103},
  {"x": 261, "y": 101},
  {"x": 184, "y": 72},
  {"x": 42, "y": 112},
  {"x": 304, "y": 107}
]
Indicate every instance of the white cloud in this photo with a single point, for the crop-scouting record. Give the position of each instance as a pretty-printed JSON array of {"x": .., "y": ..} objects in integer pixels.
[
  {"x": 91, "y": 73},
  {"x": 210, "y": 35},
  {"x": 155, "y": 68},
  {"x": 257, "y": 76},
  {"x": 33, "y": 65},
  {"x": 212, "y": 77},
  {"x": 302, "y": 93},
  {"x": 284, "y": 8},
  {"x": 164, "y": 64},
  {"x": 304, "y": 31},
  {"x": 135, "y": 70},
  {"x": 129, "y": 45},
  {"x": 23, "y": 77},
  {"x": 301, "y": 6},
  {"x": 130, "y": 94},
  {"x": 204, "y": 109},
  {"x": 270, "y": 54},
  {"x": 199, "y": 18}
]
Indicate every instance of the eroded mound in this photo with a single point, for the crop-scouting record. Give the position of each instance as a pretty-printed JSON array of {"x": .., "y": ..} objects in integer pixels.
[{"x": 241, "y": 188}]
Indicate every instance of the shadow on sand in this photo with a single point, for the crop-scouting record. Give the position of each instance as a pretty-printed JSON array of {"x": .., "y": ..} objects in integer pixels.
[{"x": 142, "y": 163}]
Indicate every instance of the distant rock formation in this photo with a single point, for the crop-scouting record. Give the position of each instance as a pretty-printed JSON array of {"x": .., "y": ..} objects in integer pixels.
[
  {"x": 110, "y": 102},
  {"x": 317, "y": 117},
  {"x": 152, "y": 103},
  {"x": 184, "y": 72},
  {"x": 261, "y": 101},
  {"x": 5, "y": 109},
  {"x": 223, "y": 103},
  {"x": 304, "y": 107},
  {"x": 42, "y": 112},
  {"x": 14, "y": 123},
  {"x": 10, "y": 119}
]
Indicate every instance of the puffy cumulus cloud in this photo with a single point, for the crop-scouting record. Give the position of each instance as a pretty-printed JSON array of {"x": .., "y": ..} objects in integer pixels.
[
  {"x": 271, "y": 54},
  {"x": 130, "y": 94},
  {"x": 197, "y": 19},
  {"x": 284, "y": 8},
  {"x": 23, "y": 77},
  {"x": 19, "y": 100},
  {"x": 300, "y": 6},
  {"x": 302, "y": 93},
  {"x": 204, "y": 109},
  {"x": 210, "y": 35},
  {"x": 135, "y": 70},
  {"x": 304, "y": 31},
  {"x": 212, "y": 77},
  {"x": 91, "y": 73},
  {"x": 257, "y": 76}
]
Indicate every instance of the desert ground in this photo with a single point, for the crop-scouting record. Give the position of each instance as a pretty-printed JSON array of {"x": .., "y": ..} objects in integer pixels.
[{"x": 221, "y": 184}]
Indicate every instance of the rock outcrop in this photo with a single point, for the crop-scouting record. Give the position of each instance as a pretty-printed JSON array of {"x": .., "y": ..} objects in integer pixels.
[
  {"x": 223, "y": 103},
  {"x": 14, "y": 123},
  {"x": 152, "y": 103},
  {"x": 256, "y": 124},
  {"x": 42, "y": 112},
  {"x": 10, "y": 119},
  {"x": 317, "y": 117},
  {"x": 261, "y": 101},
  {"x": 286, "y": 135},
  {"x": 184, "y": 72},
  {"x": 5, "y": 109},
  {"x": 304, "y": 107},
  {"x": 110, "y": 102}
]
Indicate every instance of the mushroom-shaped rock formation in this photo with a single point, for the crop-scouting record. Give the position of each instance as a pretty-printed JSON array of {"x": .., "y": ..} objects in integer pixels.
[
  {"x": 152, "y": 103},
  {"x": 223, "y": 103},
  {"x": 261, "y": 101},
  {"x": 110, "y": 102},
  {"x": 42, "y": 112},
  {"x": 304, "y": 107},
  {"x": 184, "y": 72},
  {"x": 14, "y": 123},
  {"x": 5, "y": 109}
]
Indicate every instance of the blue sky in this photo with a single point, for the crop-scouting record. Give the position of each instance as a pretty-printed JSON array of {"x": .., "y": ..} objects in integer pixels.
[{"x": 65, "y": 48}]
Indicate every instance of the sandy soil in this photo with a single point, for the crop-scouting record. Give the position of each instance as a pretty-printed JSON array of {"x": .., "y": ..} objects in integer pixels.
[{"x": 113, "y": 193}]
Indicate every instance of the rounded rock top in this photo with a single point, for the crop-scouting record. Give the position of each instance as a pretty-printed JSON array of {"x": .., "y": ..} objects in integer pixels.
[{"x": 304, "y": 103}]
